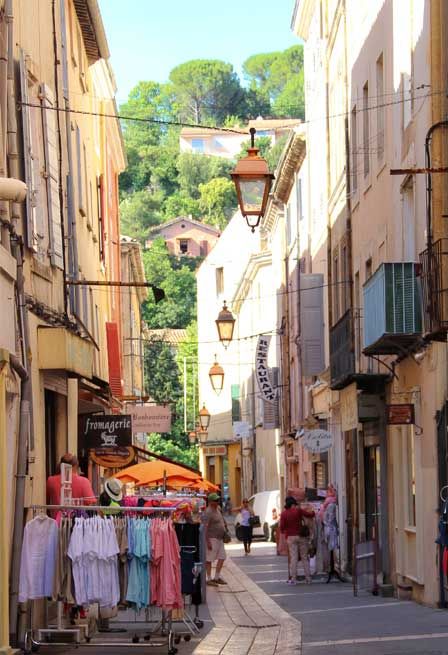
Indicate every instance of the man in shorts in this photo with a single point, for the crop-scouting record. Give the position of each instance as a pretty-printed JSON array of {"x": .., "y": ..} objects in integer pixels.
[{"x": 215, "y": 529}]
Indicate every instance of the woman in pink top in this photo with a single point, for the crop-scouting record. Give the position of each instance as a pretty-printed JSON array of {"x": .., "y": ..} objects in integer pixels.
[{"x": 81, "y": 487}]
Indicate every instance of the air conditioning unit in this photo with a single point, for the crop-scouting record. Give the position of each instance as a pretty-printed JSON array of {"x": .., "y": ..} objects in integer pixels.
[{"x": 392, "y": 309}]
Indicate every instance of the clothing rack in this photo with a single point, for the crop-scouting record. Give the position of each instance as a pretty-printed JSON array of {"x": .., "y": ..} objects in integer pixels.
[{"x": 165, "y": 624}]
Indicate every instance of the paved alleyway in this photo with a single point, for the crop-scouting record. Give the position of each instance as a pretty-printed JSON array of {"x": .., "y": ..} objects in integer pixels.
[{"x": 334, "y": 622}]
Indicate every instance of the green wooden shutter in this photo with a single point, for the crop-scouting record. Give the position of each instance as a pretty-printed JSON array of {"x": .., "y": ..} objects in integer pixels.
[{"x": 236, "y": 403}]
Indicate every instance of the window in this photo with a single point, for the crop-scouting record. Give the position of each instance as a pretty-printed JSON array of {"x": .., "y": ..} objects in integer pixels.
[
  {"x": 197, "y": 145},
  {"x": 409, "y": 246},
  {"x": 80, "y": 175},
  {"x": 100, "y": 205},
  {"x": 407, "y": 97},
  {"x": 335, "y": 286},
  {"x": 354, "y": 158},
  {"x": 345, "y": 281},
  {"x": 380, "y": 109},
  {"x": 410, "y": 450},
  {"x": 320, "y": 475},
  {"x": 219, "y": 281},
  {"x": 358, "y": 321},
  {"x": 368, "y": 269},
  {"x": 366, "y": 128},
  {"x": 183, "y": 246}
]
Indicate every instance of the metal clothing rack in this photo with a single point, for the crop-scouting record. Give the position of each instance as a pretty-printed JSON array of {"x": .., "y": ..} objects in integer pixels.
[{"x": 164, "y": 626}]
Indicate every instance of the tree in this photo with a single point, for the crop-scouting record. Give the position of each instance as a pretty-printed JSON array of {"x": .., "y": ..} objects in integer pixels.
[
  {"x": 291, "y": 100},
  {"x": 206, "y": 91},
  {"x": 218, "y": 201},
  {"x": 180, "y": 453},
  {"x": 139, "y": 212},
  {"x": 181, "y": 204},
  {"x": 195, "y": 169},
  {"x": 161, "y": 372},
  {"x": 188, "y": 350}
]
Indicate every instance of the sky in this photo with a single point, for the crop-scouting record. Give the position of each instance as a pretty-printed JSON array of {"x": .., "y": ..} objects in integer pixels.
[{"x": 148, "y": 38}]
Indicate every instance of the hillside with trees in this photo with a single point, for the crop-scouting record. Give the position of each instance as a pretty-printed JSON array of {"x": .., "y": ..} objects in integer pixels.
[{"x": 161, "y": 183}]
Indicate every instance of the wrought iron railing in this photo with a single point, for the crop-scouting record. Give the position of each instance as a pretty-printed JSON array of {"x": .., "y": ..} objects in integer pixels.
[
  {"x": 342, "y": 355},
  {"x": 434, "y": 279}
]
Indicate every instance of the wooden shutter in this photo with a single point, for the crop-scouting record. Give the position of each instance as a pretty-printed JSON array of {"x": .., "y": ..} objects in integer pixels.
[
  {"x": 52, "y": 177},
  {"x": 311, "y": 299},
  {"x": 113, "y": 353},
  {"x": 29, "y": 155},
  {"x": 236, "y": 403},
  {"x": 79, "y": 159},
  {"x": 271, "y": 410}
]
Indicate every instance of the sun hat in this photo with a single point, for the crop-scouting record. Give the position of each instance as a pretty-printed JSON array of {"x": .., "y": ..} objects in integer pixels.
[
  {"x": 113, "y": 488},
  {"x": 213, "y": 497}
]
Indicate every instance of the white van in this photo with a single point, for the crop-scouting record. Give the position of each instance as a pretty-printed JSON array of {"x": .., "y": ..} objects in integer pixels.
[{"x": 262, "y": 505}]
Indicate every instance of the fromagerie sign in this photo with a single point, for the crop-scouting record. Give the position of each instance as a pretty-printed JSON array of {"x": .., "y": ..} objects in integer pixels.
[
  {"x": 262, "y": 371},
  {"x": 150, "y": 418},
  {"x": 106, "y": 431}
]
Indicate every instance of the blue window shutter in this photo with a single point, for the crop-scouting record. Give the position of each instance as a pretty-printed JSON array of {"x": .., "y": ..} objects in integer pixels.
[
  {"x": 311, "y": 305},
  {"x": 29, "y": 155}
]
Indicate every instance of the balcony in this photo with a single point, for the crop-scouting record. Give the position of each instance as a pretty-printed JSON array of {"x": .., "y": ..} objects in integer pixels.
[
  {"x": 392, "y": 310},
  {"x": 342, "y": 355},
  {"x": 434, "y": 280}
]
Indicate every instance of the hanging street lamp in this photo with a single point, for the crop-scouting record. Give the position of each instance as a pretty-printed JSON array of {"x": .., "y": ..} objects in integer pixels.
[
  {"x": 202, "y": 436},
  {"x": 252, "y": 181},
  {"x": 216, "y": 375},
  {"x": 204, "y": 418},
  {"x": 225, "y": 324},
  {"x": 192, "y": 437}
]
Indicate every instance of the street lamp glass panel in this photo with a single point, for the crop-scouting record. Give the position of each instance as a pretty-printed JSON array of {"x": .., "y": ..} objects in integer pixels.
[
  {"x": 225, "y": 324},
  {"x": 192, "y": 437},
  {"x": 252, "y": 194},
  {"x": 202, "y": 435}
]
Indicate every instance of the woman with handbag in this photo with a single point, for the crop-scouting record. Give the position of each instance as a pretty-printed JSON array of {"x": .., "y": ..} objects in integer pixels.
[
  {"x": 297, "y": 534},
  {"x": 246, "y": 523}
]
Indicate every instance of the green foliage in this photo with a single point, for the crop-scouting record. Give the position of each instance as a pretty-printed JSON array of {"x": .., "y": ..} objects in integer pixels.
[
  {"x": 178, "y": 308},
  {"x": 263, "y": 143},
  {"x": 195, "y": 169},
  {"x": 188, "y": 349},
  {"x": 179, "y": 452},
  {"x": 207, "y": 90},
  {"x": 181, "y": 204},
  {"x": 139, "y": 212},
  {"x": 218, "y": 201},
  {"x": 278, "y": 77},
  {"x": 161, "y": 372},
  {"x": 274, "y": 153}
]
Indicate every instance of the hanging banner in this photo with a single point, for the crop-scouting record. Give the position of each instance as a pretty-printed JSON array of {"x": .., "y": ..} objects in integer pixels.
[
  {"x": 105, "y": 431},
  {"x": 262, "y": 371},
  {"x": 150, "y": 418},
  {"x": 317, "y": 441}
]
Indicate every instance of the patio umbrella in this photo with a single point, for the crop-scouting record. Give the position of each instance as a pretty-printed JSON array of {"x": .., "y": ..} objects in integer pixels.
[
  {"x": 205, "y": 485},
  {"x": 153, "y": 473}
]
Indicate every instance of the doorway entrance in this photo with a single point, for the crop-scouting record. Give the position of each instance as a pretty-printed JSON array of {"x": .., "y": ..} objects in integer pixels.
[{"x": 372, "y": 482}]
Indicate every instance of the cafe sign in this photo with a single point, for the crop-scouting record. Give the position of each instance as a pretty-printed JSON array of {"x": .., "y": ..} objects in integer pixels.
[
  {"x": 317, "y": 441},
  {"x": 402, "y": 414},
  {"x": 262, "y": 371},
  {"x": 150, "y": 418},
  {"x": 105, "y": 431}
]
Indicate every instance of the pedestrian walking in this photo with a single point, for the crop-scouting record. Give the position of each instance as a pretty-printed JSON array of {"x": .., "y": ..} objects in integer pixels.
[
  {"x": 216, "y": 531},
  {"x": 297, "y": 533},
  {"x": 245, "y": 524}
]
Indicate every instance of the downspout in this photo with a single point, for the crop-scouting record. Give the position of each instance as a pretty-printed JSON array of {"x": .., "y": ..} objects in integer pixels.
[{"x": 5, "y": 13}]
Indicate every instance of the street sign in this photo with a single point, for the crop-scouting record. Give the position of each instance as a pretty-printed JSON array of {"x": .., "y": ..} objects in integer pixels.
[
  {"x": 403, "y": 414},
  {"x": 317, "y": 441},
  {"x": 262, "y": 371}
]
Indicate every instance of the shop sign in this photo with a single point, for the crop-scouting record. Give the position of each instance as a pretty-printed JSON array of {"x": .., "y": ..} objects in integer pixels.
[
  {"x": 402, "y": 414},
  {"x": 105, "y": 431},
  {"x": 317, "y": 441},
  {"x": 241, "y": 429},
  {"x": 214, "y": 451},
  {"x": 113, "y": 457},
  {"x": 262, "y": 371},
  {"x": 150, "y": 418}
]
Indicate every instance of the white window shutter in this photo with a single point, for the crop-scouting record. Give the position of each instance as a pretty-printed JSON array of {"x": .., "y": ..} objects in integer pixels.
[
  {"x": 79, "y": 160},
  {"x": 271, "y": 410},
  {"x": 52, "y": 176},
  {"x": 29, "y": 155},
  {"x": 311, "y": 299}
]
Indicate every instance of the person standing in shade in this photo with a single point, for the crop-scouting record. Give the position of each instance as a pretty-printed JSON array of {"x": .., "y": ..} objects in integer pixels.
[
  {"x": 292, "y": 526},
  {"x": 81, "y": 487},
  {"x": 215, "y": 529},
  {"x": 246, "y": 513}
]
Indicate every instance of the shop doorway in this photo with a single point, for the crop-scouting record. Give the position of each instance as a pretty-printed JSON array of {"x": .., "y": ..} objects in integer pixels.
[
  {"x": 372, "y": 482},
  {"x": 50, "y": 433},
  {"x": 350, "y": 496}
]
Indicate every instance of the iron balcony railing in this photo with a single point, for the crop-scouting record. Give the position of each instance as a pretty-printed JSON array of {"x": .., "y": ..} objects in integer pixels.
[
  {"x": 342, "y": 355},
  {"x": 434, "y": 280}
]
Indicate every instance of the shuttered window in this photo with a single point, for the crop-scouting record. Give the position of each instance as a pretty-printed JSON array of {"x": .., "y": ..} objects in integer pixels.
[
  {"x": 31, "y": 159},
  {"x": 113, "y": 353},
  {"x": 236, "y": 403},
  {"x": 271, "y": 410},
  {"x": 56, "y": 251},
  {"x": 100, "y": 209},
  {"x": 81, "y": 182},
  {"x": 311, "y": 300}
]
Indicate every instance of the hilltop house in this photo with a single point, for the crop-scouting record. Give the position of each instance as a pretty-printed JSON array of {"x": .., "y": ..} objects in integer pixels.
[{"x": 185, "y": 236}]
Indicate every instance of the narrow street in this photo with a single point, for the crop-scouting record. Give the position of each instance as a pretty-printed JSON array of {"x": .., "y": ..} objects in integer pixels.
[{"x": 334, "y": 622}]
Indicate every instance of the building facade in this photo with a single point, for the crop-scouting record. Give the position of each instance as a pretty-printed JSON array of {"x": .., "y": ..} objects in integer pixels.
[{"x": 185, "y": 236}]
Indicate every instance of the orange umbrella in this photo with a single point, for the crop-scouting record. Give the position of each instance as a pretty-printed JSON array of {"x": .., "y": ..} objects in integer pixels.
[
  {"x": 206, "y": 485},
  {"x": 154, "y": 473},
  {"x": 172, "y": 481}
]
